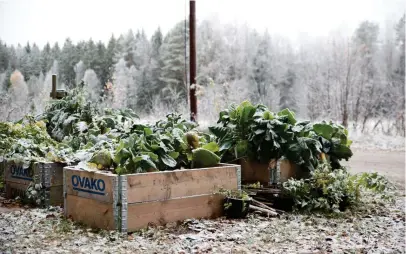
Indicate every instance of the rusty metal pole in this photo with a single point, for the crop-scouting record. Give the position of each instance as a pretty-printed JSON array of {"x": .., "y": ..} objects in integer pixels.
[
  {"x": 192, "y": 79},
  {"x": 53, "y": 86}
]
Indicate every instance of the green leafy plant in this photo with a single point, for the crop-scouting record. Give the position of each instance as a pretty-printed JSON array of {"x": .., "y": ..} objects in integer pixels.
[
  {"x": 255, "y": 132},
  {"x": 334, "y": 140},
  {"x": 331, "y": 190},
  {"x": 34, "y": 195},
  {"x": 27, "y": 141},
  {"x": 234, "y": 194},
  {"x": 234, "y": 130},
  {"x": 62, "y": 116},
  {"x": 162, "y": 146}
]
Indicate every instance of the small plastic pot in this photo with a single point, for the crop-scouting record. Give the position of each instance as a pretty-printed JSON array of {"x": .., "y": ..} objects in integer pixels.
[{"x": 238, "y": 209}]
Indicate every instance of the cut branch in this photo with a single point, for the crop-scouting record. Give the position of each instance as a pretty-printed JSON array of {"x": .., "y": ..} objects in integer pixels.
[{"x": 263, "y": 211}]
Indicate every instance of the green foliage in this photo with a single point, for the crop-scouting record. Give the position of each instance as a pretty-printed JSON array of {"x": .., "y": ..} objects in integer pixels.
[
  {"x": 235, "y": 194},
  {"x": 333, "y": 191},
  {"x": 255, "y": 132},
  {"x": 34, "y": 195},
  {"x": 163, "y": 146},
  {"x": 62, "y": 116},
  {"x": 335, "y": 142},
  {"x": 204, "y": 158},
  {"x": 27, "y": 141}
]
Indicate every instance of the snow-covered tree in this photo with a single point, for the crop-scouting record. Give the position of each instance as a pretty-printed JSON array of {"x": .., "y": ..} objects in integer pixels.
[
  {"x": 80, "y": 69},
  {"x": 121, "y": 83},
  {"x": 92, "y": 85}
]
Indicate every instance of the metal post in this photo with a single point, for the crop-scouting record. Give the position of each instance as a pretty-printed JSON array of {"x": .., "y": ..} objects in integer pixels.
[
  {"x": 53, "y": 86},
  {"x": 192, "y": 79}
]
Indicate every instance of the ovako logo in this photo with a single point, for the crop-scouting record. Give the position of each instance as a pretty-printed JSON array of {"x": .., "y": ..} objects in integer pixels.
[
  {"x": 89, "y": 185},
  {"x": 17, "y": 171}
]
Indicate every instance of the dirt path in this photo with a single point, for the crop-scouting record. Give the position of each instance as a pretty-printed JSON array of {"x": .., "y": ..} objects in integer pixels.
[{"x": 391, "y": 164}]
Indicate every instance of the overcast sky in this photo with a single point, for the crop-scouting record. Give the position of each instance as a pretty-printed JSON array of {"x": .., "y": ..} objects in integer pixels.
[{"x": 40, "y": 21}]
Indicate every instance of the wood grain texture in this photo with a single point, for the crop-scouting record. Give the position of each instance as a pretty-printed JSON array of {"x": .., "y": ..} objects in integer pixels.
[
  {"x": 14, "y": 190},
  {"x": 73, "y": 187},
  {"x": 55, "y": 170},
  {"x": 56, "y": 195},
  {"x": 252, "y": 172},
  {"x": 141, "y": 215},
  {"x": 180, "y": 183},
  {"x": 91, "y": 212},
  {"x": 288, "y": 170}
]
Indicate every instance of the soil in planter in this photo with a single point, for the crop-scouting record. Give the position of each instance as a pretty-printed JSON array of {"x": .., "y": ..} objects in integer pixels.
[
  {"x": 238, "y": 209},
  {"x": 283, "y": 203}
]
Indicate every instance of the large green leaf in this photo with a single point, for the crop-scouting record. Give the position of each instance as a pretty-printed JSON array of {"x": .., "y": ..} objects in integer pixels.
[
  {"x": 218, "y": 131},
  {"x": 212, "y": 146},
  {"x": 168, "y": 160},
  {"x": 323, "y": 129},
  {"x": 289, "y": 114}
]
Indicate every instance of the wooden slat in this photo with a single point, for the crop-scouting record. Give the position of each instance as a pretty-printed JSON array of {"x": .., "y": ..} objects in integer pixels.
[
  {"x": 140, "y": 215},
  {"x": 56, "y": 173},
  {"x": 74, "y": 187},
  {"x": 288, "y": 170},
  {"x": 56, "y": 196},
  {"x": 252, "y": 172},
  {"x": 15, "y": 189},
  {"x": 91, "y": 212},
  {"x": 181, "y": 183}
]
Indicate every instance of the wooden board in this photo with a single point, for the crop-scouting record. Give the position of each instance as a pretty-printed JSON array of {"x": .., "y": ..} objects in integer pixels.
[
  {"x": 288, "y": 170},
  {"x": 56, "y": 196},
  {"x": 14, "y": 190},
  {"x": 54, "y": 171},
  {"x": 253, "y": 172},
  {"x": 49, "y": 174},
  {"x": 90, "y": 212},
  {"x": 94, "y": 185},
  {"x": 141, "y": 215},
  {"x": 180, "y": 183}
]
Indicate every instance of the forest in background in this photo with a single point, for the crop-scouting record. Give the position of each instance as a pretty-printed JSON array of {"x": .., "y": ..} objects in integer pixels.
[{"x": 354, "y": 80}]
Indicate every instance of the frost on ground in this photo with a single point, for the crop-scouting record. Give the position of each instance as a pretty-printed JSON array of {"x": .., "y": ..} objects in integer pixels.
[
  {"x": 377, "y": 141},
  {"x": 379, "y": 228}
]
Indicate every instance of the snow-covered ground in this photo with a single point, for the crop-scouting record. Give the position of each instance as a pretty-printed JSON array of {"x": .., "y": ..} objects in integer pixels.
[{"x": 376, "y": 229}]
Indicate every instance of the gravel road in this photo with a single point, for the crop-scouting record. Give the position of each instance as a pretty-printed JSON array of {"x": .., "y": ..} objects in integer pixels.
[{"x": 389, "y": 163}]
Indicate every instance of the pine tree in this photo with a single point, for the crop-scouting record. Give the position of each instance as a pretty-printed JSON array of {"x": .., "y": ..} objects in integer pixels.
[
  {"x": 67, "y": 62},
  {"x": 262, "y": 69},
  {"x": 149, "y": 82},
  {"x": 128, "y": 46},
  {"x": 46, "y": 58},
  {"x": 287, "y": 92},
  {"x": 80, "y": 69},
  {"x": 35, "y": 64},
  {"x": 4, "y": 57},
  {"x": 92, "y": 85},
  {"x": 173, "y": 69},
  {"x": 99, "y": 64},
  {"x": 108, "y": 67},
  {"x": 121, "y": 81}
]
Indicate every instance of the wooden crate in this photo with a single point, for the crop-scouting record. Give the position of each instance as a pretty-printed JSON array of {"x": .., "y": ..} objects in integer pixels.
[
  {"x": 276, "y": 171},
  {"x": 18, "y": 177},
  {"x": 130, "y": 202}
]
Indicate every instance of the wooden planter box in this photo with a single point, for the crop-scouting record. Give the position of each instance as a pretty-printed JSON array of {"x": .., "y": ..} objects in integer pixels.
[
  {"x": 50, "y": 175},
  {"x": 130, "y": 202},
  {"x": 274, "y": 172}
]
